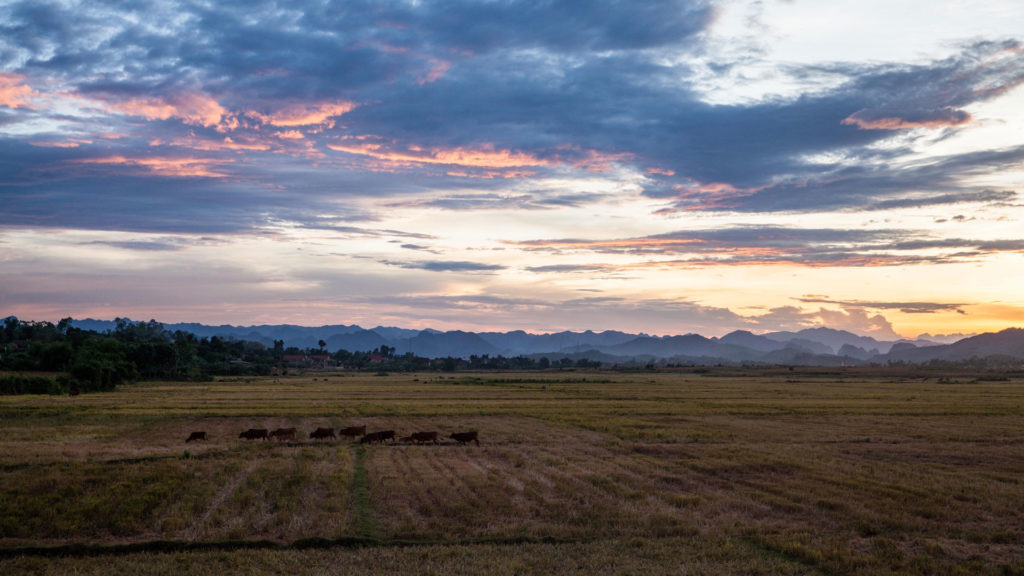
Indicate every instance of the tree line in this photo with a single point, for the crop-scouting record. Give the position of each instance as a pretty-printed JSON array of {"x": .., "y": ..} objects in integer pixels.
[{"x": 47, "y": 358}]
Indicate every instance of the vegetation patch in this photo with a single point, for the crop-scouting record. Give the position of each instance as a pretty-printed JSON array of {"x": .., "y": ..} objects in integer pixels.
[{"x": 746, "y": 473}]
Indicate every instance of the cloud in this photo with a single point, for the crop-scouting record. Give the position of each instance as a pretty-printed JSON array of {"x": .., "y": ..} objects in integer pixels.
[
  {"x": 818, "y": 247},
  {"x": 939, "y": 118},
  {"x": 171, "y": 245},
  {"x": 427, "y": 93},
  {"x": 305, "y": 114},
  {"x": 660, "y": 316},
  {"x": 568, "y": 268},
  {"x": 14, "y": 92},
  {"x": 852, "y": 319},
  {"x": 166, "y": 166},
  {"x": 858, "y": 321},
  {"x": 191, "y": 107},
  {"x": 905, "y": 307},
  {"x": 446, "y": 266},
  {"x": 559, "y": 25},
  {"x": 540, "y": 200},
  {"x": 486, "y": 156}
]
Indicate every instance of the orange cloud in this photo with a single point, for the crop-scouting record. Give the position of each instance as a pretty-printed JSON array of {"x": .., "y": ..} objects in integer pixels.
[
  {"x": 485, "y": 157},
  {"x": 166, "y": 166},
  {"x": 14, "y": 93},
  {"x": 305, "y": 114},
  {"x": 486, "y": 161},
  {"x": 290, "y": 135},
  {"x": 192, "y": 107},
  {"x": 941, "y": 118}
]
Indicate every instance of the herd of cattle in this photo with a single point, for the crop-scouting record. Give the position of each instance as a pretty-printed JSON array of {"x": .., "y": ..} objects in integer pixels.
[{"x": 282, "y": 434}]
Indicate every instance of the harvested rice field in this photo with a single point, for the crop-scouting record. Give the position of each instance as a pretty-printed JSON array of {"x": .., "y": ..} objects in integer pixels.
[{"x": 718, "y": 472}]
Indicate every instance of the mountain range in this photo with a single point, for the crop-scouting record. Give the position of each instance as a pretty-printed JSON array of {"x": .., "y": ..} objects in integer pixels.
[{"x": 812, "y": 346}]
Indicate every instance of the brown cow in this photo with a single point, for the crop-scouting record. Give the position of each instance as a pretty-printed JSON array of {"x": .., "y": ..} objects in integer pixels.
[
  {"x": 353, "y": 431},
  {"x": 283, "y": 434},
  {"x": 254, "y": 433},
  {"x": 196, "y": 436},
  {"x": 421, "y": 437},
  {"x": 322, "y": 433},
  {"x": 378, "y": 437},
  {"x": 465, "y": 437}
]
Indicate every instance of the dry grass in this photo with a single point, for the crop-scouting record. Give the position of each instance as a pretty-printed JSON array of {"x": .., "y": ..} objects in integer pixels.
[{"x": 715, "y": 473}]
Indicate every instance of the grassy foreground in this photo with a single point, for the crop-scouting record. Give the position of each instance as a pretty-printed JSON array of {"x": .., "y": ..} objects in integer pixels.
[{"x": 742, "y": 472}]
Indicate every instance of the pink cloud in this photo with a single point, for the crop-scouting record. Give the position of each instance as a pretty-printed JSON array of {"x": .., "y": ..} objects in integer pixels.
[
  {"x": 696, "y": 196},
  {"x": 483, "y": 157},
  {"x": 661, "y": 171},
  {"x": 438, "y": 68},
  {"x": 484, "y": 161},
  {"x": 211, "y": 145},
  {"x": 940, "y": 118},
  {"x": 191, "y": 107},
  {"x": 165, "y": 165},
  {"x": 71, "y": 143},
  {"x": 14, "y": 93},
  {"x": 591, "y": 160},
  {"x": 305, "y": 114}
]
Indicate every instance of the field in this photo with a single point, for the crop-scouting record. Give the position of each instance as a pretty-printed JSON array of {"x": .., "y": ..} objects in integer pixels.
[{"x": 719, "y": 472}]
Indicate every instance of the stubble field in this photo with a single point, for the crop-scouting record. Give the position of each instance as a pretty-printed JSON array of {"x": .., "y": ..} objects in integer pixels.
[{"x": 727, "y": 471}]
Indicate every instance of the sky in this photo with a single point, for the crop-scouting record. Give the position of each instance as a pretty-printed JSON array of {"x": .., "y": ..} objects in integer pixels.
[{"x": 663, "y": 167}]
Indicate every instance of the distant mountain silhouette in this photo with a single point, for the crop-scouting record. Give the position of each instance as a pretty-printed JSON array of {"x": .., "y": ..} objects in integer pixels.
[
  {"x": 690, "y": 346},
  {"x": 834, "y": 339},
  {"x": 1009, "y": 342},
  {"x": 752, "y": 341},
  {"x": 362, "y": 341},
  {"x": 441, "y": 344},
  {"x": 813, "y": 346},
  {"x": 520, "y": 342}
]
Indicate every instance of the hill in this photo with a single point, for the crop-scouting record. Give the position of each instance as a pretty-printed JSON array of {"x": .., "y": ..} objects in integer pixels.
[{"x": 812, "y": 346}]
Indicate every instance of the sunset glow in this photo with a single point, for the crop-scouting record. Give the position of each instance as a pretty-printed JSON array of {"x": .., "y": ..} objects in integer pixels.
[{"x": 694, "y": 166}]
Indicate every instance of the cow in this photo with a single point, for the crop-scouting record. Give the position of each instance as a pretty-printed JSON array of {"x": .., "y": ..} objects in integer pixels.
[
  {"x": 254, "y": 433},
  {"x": 353, "y": 431},
  {"x": 322, "y": 433},
  {"x": 196, "y": 436},
  {"x": 465, "y": 437},
  {"x": 421, "y": 437},
  {"x": 283, "y": 434},
  {"x": 378, "y": 437}
]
